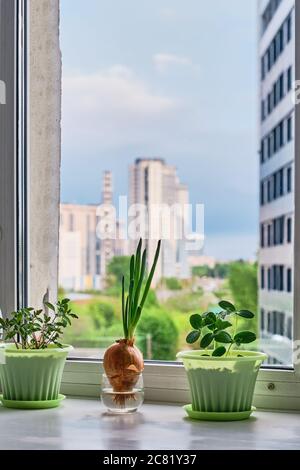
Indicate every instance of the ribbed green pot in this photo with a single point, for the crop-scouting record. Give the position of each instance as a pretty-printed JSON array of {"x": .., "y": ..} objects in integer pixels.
[
  {"x": 222, "y": 384},
  {"x": 32, "y": 374}
]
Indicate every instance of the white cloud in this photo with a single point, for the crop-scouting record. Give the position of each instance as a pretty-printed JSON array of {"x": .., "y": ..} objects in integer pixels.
[
  {"x": 163, "y": 62},
  {"x": 113, "y": 107}
]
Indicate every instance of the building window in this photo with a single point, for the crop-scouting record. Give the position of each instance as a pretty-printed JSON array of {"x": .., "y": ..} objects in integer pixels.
[
  {"x": 262, "y": 196},
  {"x": 289, "y": 129},
  {"x": 269, "y": 322},
  {"x": 269, "y": 235},
  {"x": 262, "y": 277},
  {"x": 289, "y": 230},
  {"x": 290, "y": 328},
  {"x": 289, "y": 280},
  {"x": 289, "y": 179},
  {"x": 269, "y": 191},
  {"x": 289, "y": 28},
  {"x": 269, "y": 279},
  {"x": 277, "y": 277},
  {"x": 274, "y": 323},
  {"x": 71, "y": 223},
  {"x": 262, "y": 319},
  {"x": 289, "y": 78},
  {"x": 262, "y": 235},
  {"x": 98, "y": 265}
]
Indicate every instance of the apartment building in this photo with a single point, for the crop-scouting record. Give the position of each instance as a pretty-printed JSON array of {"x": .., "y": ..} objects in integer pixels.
[
  {"x": 155, "y": 185},
  {"x": 276, "y": 123}
]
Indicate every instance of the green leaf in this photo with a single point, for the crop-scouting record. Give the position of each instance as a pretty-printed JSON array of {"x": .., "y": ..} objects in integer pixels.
[
  {"x": 228, "y": 306},
  {"x": 47, "y": 304},
  {"x": 223, "y": 337},
  {"x": 209, "y": 318},
  {"x": 206, "y": 340},
  {"x": 220, "y": 351},
  {"x": 193, "y": 336},
  {"x": 245, "y": 314},
  {"x": 244, "y": 337},
  {"x": 222, "y": 324},
  {"x": 196, "y": 321},
  {"x": 150, "y": 277}
]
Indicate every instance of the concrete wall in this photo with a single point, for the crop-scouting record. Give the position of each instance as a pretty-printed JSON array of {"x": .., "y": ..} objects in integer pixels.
[{"x": 45, "y": 148}]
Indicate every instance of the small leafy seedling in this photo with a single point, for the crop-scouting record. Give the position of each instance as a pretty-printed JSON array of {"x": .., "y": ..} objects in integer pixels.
[
  {"x": 37, "y": 329},
  {"x": 210, "y": 328}
]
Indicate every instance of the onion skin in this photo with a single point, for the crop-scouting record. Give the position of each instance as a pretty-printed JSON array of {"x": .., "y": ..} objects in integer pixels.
[{"x": 123, "y": 363}]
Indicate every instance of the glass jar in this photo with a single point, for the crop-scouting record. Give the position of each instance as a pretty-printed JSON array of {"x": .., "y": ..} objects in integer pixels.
[{"x": 122, "y": 402}]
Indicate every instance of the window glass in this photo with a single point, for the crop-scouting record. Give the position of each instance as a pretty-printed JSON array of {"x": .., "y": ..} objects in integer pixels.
[{"x": 148, "y": 119}]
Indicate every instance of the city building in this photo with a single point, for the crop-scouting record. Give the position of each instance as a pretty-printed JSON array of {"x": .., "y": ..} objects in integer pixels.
[
  {"x": 157, "y": 200},
  {"x": 85, "y": 250},
  {"x": 276, "y": 123}
]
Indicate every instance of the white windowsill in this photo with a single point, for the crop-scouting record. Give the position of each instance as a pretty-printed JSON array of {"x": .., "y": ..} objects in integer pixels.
[{"x": 82, "y": 424}]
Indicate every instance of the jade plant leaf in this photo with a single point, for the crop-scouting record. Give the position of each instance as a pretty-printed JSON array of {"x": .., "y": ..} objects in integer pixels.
[
  {"x": 228, "y": 306},
  {"x": 206, "y": 340},
  {"x": 244, "y": 337},
  {"x": 196, "y": 321},
  {"x": 245, "y": 314},
  {"x": 193, "y": 336},
  {"x": 222, "y": 324},
  {"x": 223, "y": 337},
  {"x": 220, "y": 351}
]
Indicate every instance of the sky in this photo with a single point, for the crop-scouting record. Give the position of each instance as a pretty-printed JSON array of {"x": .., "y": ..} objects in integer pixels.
[{"x": 170, "y": 78}]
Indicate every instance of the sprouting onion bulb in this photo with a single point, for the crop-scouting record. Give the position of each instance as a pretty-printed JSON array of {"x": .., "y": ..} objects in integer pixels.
[{"x": 123, "y": 361}]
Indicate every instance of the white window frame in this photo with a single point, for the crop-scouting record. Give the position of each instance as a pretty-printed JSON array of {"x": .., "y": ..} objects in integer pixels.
[{"x": 164, "y": 382}]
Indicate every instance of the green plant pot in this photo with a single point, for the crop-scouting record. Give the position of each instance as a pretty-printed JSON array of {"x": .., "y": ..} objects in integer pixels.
[
  {"x": 32, "y": 375},
  {"x": 222, "y": 384}
]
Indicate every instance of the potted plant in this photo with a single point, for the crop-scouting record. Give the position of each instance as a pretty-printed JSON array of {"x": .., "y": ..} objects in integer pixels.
[
  {"x": 221, "y": 377},
  {"x": 31, "y": 372},
  {"x": 123, "y": 361}
]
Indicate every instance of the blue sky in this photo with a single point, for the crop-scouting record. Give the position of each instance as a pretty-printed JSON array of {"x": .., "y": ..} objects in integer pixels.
[{"x": 176, "y": 79}]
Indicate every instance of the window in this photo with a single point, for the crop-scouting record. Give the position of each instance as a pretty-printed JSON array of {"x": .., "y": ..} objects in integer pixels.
[
  {"x": 289, "y": 129},
  {"x": 262, "y": 276},
  {"x": 262, "y": 319},
  {"x": 262, "y": 235},
  {"x": 289, "y": 230},
  {"x": 289, "y": 180},
  {"x": 289, "y": 79},
  {"x": 71, "y": 222},
  {"x": 269, "y": 279},
  {"x": 290, "y": 328},
  {"x": 289, "y": 28},
  {"x": 262, "y": 195},
  {"x": 269, "y": 235},
  {"x": 289, "y": 280},
  {"x": 114, "y": 75}
]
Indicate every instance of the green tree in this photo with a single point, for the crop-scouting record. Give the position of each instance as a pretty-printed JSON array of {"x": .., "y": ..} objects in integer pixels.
[
  {"x": 172, "y": 283},
  {"x": 243, "y": 285},
  {"x": 102, "y": 314},
  {"x": 202, "y": 271},
  {"x": 163, "y": 333},
  {"x": 117, "y": 268}
]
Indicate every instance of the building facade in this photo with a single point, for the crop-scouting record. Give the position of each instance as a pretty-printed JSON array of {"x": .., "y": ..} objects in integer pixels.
[
  {"x": 276, "y": 123},
  {"x": 85, "y": 250},
  {"x": 154, "y": 185}
]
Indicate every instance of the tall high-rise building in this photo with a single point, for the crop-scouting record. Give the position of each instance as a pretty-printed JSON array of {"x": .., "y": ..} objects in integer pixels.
[
  {"x": 277, "y": 69},
  {"x": 155, "y": 186}
]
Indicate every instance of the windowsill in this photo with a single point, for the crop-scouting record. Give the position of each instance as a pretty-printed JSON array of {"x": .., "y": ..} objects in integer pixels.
[{"x": 83, "y": 424}]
